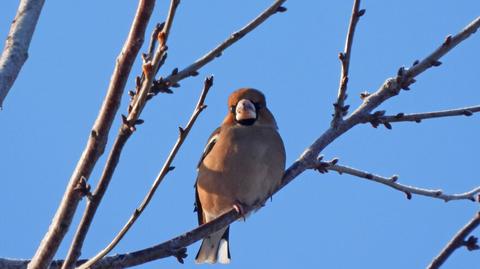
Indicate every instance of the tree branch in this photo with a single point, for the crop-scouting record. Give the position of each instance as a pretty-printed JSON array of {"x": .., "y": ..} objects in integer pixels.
[
  {"x": 458, "y": 241},
  {"x": 97, "y": 140},
  {"x": 192, "y": 70},
  {"x": 15, "y": 52},
  {"x": 378, "y": 118},
  {"x": 340, "y": 109},
  {"x": 306, "y": 161},
  {"x": 392, "y": 182},
  {"x": 150, "y": 68},
  {"x": 175, "y": 245},
  {"x": 163, "y": 172},
  {"x": 390, "y": 88},
  {"x": 152, "y": 63}
]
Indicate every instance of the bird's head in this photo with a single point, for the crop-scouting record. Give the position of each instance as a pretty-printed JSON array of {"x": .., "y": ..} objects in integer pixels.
[{"x": 247, "y": 107}]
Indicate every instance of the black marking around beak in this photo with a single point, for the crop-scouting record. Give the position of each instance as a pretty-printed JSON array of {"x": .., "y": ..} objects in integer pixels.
[{"x": 245, "y": 122}]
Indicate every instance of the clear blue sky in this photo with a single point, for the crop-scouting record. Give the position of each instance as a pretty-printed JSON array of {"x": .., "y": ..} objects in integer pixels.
[{"x": 318, "y": 221}]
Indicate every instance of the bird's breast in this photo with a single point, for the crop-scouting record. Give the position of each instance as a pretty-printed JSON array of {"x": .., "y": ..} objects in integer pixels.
[{"x": 244, "y": 165}]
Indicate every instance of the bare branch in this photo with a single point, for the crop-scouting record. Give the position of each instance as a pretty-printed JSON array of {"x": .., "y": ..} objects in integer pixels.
[
  {"x": 458, "y": 241},
  {"x": 153, "y": 40},
  {"x": 392, "y": 182},
  {"x": 15, "y": 52},
  {"x": 150, "y": 68},
  {"x": 390, "y": 88},
  {"x": 376, "y": 119},
  {"x": 340, "y": 109},
  {"x": 163, "y": 172},
  {"x": 165, "y": 249},
  {"x": 449, "y": 43},
  {"x": 97, "y": 140},
  {"x": 192, "y": 69}
]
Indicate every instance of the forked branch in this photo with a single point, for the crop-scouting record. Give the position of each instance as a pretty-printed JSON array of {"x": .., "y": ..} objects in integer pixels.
[
  {"x": 458, "y": 241},
  {"x": 392, "y": 182},
  {"x": 97, "y": 140},
  {"x": 379, "y": 118},
  {"x": 340, "y": 109},
  {"x": 192, "y": 70},
  {"x": 183, "y": 132},
  {"x": 125, "y": 131}
]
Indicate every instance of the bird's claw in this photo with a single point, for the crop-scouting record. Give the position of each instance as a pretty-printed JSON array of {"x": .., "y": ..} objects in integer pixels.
[{"x": 240, "y": 208}]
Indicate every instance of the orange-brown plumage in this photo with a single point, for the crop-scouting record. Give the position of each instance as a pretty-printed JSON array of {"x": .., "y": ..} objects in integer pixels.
[{"x": 243, "y": 164}]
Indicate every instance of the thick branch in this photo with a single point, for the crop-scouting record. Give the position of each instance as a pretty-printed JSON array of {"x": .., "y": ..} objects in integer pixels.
[
  {"x": 154, "y": 60},
  {"x": 340, "y": 109},
  {"x": 124, "y": 133},
  {"x": 390, "y": 88},
  {"x": 392, "y": 182},
  {"x": 97, "y": 140},
  {"x": 163, "y": 172},
  {"x": 306, "y": 161},
  {"x": 458, "y": 241},
  {"x": 376, "y": 119},
  {"x": 15, "y": 52}
]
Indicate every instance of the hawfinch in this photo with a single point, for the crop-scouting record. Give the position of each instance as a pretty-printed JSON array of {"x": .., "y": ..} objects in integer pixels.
[{"x": 242, "y": 164}]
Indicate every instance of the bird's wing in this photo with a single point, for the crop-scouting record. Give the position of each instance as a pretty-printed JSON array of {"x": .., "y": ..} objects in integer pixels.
[{"x": 211, "y": 142}]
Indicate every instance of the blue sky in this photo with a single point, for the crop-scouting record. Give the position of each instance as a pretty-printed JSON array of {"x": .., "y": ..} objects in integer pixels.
[{"x": 328, "y": 220}]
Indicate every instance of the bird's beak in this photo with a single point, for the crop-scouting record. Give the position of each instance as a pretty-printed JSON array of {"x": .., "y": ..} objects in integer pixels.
[{"x": 245, "y": 110}]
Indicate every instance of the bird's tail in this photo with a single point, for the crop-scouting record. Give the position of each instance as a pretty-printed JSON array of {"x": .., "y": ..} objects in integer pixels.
[{"x": 215, "y": 248}]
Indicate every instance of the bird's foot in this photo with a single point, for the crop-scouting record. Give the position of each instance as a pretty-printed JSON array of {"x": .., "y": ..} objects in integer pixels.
[{"x": 240, "y": 208}]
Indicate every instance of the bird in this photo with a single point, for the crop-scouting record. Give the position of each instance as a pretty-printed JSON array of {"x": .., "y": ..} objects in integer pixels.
[{"x": 242, "y": 165}]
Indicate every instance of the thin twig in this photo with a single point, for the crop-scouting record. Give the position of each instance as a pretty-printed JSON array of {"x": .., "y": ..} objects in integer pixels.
[
  {"x": 153, "y": 40},
  {"x": 377, "y": 119},
  {"x": 139, "y": 101},
  {"x": 124, "y": 133},
  {"x": 150, "y": 69},
  {"x": 192, "y": 69},
  {"x": 97, "y": 140},
  {"x": 458, "y": 241},
  {"x": 390, "y": 88},
  {"x": 340, "y": 108},
  {"x": 169, "y": 248},
  {"x": 163, "y": 172},
  {"x": 15, "y": 52},
  {"x": 392, "y": 182}
]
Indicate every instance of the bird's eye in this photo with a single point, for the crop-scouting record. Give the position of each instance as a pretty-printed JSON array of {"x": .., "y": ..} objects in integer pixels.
[
  {"x": 257, "y": 106},
  {"x": 232, "y": 109}
]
